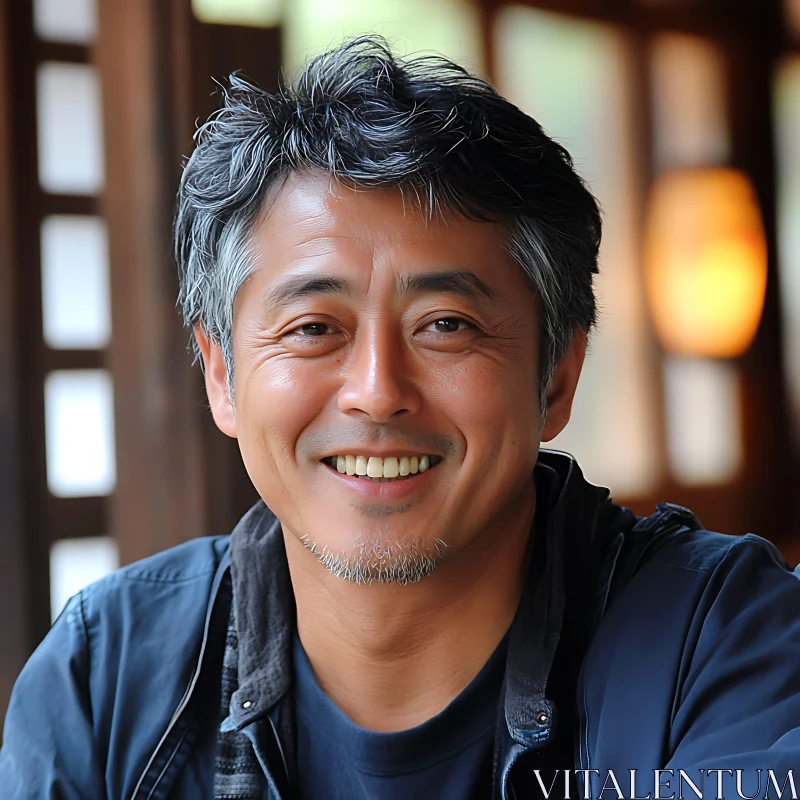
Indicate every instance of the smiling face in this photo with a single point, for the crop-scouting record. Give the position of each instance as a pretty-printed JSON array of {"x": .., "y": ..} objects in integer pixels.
[{"x": 368, "y": 331}]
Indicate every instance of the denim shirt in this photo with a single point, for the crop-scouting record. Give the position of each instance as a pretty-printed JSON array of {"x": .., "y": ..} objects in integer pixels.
[{"x": 638, "y": 644}]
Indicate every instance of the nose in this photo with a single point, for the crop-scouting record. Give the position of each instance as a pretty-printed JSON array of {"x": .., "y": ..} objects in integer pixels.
[{"x": 379, "y": 382}]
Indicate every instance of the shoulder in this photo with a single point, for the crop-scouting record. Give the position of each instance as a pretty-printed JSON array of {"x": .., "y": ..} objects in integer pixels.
[
  {"x": 673, "y": 575},
  {"x": 162, "y": 587},
  {"x": 190, "y": 565},
  {"x": 685, "y": 589},
  {"x": 674, "y": 539},
  {"x": 158, "y": 602},
  {"x": 113, "y": 668},
  {"x": 143, "y": 631},
  {"x": 702, "y": 638},
  {"x": 189, "y": 561}
]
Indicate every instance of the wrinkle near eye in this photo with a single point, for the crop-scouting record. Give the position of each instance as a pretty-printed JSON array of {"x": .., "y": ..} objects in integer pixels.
[{"x": 259, "y": 336}]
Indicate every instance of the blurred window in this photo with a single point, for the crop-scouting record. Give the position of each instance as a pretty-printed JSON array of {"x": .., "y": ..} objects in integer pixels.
[
  {"x": 690, "y": 129},
  {"x": 689, "y": 116},
  {"x": 449, "y": 27},
  {"x": 75, "y": 563},
  {"x": 702, "y": 408},
  {"x": 73, "y": 278},
  {"x": 79, "y": 433},
  {"x": 76, "y": 309},
  {"x": 69, "y": 128},
  {"x": 787, "y": 126},
  {"x": 262, "y": 13},
  {"x": 571, "y": 76},
  {"x": 69, "y": 21}
]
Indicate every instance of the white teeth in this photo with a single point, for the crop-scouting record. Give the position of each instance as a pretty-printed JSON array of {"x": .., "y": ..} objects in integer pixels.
[
  {"x": 381, "y": 468},
  {"x": 391, "y": 469}
]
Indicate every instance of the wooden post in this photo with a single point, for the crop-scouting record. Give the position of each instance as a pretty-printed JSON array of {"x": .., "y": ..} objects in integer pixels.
[
  {"x": 15, "y": 617},
  {"x": 159, "y": 499},
  {"x": 178, "y": 477}
]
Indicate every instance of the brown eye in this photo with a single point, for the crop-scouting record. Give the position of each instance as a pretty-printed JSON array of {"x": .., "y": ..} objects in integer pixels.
[
  {"x": 450, "y": 324},
  {"x": 311, "y": 330}
]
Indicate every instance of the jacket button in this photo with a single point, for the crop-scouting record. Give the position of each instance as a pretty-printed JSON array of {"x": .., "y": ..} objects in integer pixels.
[{"x": 247, "y": 704}]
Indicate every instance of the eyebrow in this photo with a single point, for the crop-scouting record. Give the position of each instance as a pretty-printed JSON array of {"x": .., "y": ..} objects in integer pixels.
[{"x": 457, "y": 282}]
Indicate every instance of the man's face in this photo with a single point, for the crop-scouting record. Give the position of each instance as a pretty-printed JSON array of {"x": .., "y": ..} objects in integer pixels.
[{"x": 418, "y": 338}]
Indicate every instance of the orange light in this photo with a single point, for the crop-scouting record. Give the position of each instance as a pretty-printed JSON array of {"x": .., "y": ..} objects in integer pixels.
[{"x": 705, "y": 262}]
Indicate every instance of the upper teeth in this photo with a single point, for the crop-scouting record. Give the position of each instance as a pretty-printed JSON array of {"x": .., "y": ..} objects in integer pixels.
[{"x": 375, "y": 467}]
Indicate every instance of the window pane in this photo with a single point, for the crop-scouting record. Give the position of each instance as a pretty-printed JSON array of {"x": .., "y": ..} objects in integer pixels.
[
  {"x": 703, "y": 420},
  {"x": 75, "y": 299},
  {"x": 787, "y": 126},
  {"x": 79, "y": 431},
  {"x": 75, "y": 563},
  {"x": 449, "y": 27},
  {"x": 69, "y": 129},
  {"x": 571, "y": 77},
  {"x": 689, "y": 117},
  {"x": 262, "y": 13},
  {"x": 73, "y": 21}
]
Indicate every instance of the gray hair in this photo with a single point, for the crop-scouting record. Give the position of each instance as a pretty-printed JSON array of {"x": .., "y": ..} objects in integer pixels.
[{"x": 371, "y": 119}]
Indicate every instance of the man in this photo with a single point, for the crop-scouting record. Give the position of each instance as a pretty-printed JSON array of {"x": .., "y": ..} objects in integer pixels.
[{"x": 388, "y": 272}]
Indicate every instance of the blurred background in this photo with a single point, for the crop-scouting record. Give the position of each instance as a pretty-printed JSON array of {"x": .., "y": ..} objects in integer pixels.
[{"x": 683, "y": 116}]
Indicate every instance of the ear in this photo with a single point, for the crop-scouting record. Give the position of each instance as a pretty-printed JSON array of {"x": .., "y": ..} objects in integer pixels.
[
  {"x": 216, "y": 375},
  {"x": 562, "y": 387}
]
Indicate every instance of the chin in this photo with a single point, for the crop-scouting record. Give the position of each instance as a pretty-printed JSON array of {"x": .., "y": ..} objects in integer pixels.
[{"x": 380, "y": 558}]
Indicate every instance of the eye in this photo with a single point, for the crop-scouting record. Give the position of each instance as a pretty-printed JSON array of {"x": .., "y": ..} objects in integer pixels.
[
  {"x": 450, "y": 324},
  {"x": 315, "y": 330}
]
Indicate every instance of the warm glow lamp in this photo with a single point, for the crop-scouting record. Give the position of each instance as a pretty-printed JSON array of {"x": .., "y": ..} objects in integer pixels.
[{"x": 705, "y": 262}]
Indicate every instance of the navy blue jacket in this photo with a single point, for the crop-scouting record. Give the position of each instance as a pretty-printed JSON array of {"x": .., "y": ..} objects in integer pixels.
[{"x": 649, "y": 643}]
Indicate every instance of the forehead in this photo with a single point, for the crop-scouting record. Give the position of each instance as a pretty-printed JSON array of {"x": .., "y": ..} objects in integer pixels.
[{"x": 311, "y": 214}]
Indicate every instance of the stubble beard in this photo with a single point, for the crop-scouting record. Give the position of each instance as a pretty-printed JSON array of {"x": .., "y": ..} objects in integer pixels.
[{"x": 371, "y": 561}]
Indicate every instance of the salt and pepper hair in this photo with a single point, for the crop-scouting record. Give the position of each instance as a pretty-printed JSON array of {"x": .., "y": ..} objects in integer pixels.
[{"x": 368, "y": 119}]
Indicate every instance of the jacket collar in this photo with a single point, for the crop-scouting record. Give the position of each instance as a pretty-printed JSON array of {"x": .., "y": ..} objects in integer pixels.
[
  {"x": 265, "y": 616},
  {"x": 567, "y": 512}
]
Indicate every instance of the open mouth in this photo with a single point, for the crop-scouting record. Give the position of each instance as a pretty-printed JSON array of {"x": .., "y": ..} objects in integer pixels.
[{"x": 382, "y": 470}]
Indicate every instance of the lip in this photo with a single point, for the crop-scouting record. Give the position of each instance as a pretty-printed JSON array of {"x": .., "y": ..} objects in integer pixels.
[{"x": 376, "y": 490}]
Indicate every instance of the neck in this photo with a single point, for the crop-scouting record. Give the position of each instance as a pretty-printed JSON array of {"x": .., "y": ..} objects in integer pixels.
[{"x": 393, "y": 656}]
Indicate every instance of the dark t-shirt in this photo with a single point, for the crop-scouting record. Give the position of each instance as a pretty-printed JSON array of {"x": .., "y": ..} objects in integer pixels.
[{"x": 447, "y": 757}]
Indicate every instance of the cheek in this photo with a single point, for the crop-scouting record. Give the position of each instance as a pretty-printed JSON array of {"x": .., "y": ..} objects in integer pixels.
[
  {"x": 275, "y": 401},
  {"x": 495, "y": 407},
  {"x": 489, "y": 391}
]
